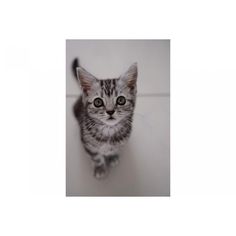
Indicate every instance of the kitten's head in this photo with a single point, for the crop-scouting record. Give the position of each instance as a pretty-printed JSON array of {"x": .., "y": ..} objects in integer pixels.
[{"x": 109, "y": 100}]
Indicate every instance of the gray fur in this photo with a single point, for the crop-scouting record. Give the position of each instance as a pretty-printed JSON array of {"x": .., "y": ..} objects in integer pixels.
[{"x": 101, "y": 135}]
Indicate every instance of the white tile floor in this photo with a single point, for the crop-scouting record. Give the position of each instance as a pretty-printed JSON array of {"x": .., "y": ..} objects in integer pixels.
[{"x": 144, "y": 169}]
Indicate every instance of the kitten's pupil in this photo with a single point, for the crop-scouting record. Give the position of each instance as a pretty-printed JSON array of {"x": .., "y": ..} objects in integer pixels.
[
  {"x": 98, "y": 102},
  {"x": 121, "y": 100}
]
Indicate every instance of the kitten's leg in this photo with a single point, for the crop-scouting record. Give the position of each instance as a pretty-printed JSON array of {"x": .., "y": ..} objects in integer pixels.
[
  {"x": 100, "y": 167},
  {"x": 112, "y": 160}
]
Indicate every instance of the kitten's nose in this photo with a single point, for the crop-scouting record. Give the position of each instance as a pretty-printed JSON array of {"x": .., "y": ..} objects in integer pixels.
[{"x": 110, "y": 112}]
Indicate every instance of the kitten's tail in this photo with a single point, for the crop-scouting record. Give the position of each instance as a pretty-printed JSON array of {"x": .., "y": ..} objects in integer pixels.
[
  {"x": 78, "y": 106},
  {"x": 75, "y": 64}
]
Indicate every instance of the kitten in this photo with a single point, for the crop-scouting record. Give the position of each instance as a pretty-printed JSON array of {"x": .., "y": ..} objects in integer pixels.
[{"x": 105, "y": 112}]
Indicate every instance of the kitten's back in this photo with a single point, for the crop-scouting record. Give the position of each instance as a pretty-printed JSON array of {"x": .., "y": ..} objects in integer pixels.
[{"x": 78, "y": 109}]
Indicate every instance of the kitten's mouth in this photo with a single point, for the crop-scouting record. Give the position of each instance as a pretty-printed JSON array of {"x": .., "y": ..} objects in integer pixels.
[{"x": 111, "y": 118}]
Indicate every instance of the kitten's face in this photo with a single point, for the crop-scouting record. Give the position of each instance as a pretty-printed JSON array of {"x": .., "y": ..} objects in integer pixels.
[
  {"x": 110, "y": 100},
  {"x": 110, "y": 103}
]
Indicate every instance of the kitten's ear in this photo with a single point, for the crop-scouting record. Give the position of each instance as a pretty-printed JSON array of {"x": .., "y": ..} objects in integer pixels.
[
  {"x": 131, "y": 75},
  {"x": 85, "y": 78}
]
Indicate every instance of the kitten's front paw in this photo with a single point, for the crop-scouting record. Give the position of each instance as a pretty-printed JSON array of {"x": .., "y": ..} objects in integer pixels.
[
  {"x": 112, "y": 161},
  {"x": 100, "y": 172}
]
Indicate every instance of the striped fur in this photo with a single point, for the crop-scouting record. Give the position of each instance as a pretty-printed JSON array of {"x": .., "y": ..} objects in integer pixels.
[{"x": 101, "y": 135}]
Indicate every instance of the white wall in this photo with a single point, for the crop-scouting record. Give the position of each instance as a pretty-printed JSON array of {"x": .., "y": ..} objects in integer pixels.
[{"x": 110, "y": 58}]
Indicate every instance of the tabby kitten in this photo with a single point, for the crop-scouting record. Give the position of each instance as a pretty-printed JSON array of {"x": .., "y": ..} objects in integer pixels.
[{"x": 104, "y": 112}]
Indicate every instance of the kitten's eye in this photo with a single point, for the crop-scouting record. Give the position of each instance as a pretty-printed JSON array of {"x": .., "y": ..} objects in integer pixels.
[
  {"x": 121, "y": 100},
  {"x": 98, "y": 102}
]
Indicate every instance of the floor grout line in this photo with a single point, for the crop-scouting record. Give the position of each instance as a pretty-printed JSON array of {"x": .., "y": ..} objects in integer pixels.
[{"x": 138, "y": 95}]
